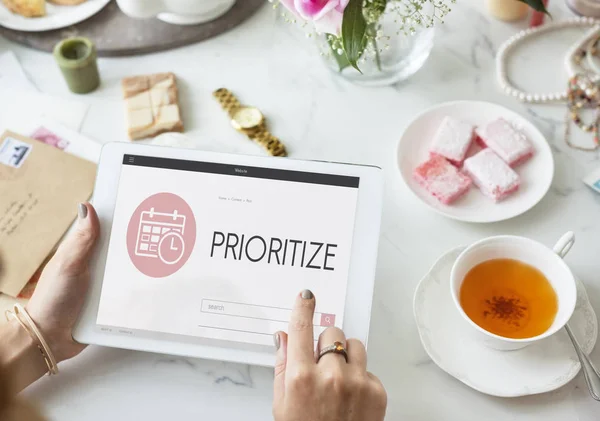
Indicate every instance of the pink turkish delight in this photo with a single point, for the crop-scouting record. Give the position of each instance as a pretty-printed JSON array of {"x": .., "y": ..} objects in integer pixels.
[
  {"x": 442, "y": 179},
  {"x": 452, "y": 140},
  {"x": 494, "y": 177},
  {"x": 509, "y": 143}
]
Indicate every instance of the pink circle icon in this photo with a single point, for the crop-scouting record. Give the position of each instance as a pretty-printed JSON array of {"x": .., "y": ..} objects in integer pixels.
[{"x": 161, "y": 235}]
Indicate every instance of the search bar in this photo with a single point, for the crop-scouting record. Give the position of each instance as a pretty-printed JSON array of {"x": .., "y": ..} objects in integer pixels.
[{"x": 258, "y": 312}]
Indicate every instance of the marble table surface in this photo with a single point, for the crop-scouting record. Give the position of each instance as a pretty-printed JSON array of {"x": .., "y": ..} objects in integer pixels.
[{"x": 272, "y": 65}]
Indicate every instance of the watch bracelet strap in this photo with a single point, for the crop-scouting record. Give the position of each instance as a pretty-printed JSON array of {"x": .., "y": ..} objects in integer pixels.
[
  {"x": 227, "y": 100},
  {"x": 271, "y": 143},
  {"x": 260, "y": 135}
]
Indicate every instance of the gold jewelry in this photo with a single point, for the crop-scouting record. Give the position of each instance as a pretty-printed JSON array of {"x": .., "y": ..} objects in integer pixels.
[
  {"x": 250, "y": 121},
  {"x": 568, "y": 122},
  {"x": 336, "y": 348},
  {"x": 26, "y": 322},
  {"x": 583, "y": 93}
]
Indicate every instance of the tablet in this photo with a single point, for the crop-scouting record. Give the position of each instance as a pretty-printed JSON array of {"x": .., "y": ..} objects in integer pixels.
[{"x": 202, "y": 254}]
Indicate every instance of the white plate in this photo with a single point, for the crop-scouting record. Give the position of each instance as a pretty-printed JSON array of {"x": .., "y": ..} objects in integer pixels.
[
  {"x": 541, "y": 367},
  {"x": 56, "y": 16},
  {"x": 536, "y": 174}
]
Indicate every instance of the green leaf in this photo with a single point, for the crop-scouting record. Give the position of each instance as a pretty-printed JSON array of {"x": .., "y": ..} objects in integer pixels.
[
  {"x": 536, "y": 5},
  {"x": 354, "y": 27},
  {"x": 341, "y": 59}
]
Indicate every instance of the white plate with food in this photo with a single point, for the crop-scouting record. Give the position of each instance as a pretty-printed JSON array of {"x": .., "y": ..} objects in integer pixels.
[
  {"x": 452, "y": 344},
  {"x": 525, "y": 179},
  {"x": 46, "y": 15}
]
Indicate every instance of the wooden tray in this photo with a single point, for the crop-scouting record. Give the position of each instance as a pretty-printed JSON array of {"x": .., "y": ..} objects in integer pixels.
[{"x": 116, "y": 34}]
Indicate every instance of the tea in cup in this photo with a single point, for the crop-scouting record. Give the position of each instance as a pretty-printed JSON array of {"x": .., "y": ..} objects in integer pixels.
[{"x": 514, "y": 291}]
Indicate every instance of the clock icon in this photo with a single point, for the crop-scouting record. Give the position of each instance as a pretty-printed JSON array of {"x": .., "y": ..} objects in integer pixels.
[{"x": 171, "y": 248}]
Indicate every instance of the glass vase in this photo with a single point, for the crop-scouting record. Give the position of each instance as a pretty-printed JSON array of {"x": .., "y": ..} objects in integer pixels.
[{"x": 394, "y": 58}]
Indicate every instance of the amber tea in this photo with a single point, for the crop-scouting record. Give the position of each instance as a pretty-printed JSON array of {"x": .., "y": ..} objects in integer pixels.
[{"x": 509, "y": 298}]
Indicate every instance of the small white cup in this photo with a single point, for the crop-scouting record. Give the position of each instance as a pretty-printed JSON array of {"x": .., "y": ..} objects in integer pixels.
[
  {"x": 177, "y": 12},
  {"x": 548, "y": 261}
]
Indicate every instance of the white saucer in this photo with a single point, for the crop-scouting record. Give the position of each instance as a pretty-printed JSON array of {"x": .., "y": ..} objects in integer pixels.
[
  {"x": 56, "y": 16},
  {"x": 536, "y": 174},
  {"x": 538, "y": 368}
]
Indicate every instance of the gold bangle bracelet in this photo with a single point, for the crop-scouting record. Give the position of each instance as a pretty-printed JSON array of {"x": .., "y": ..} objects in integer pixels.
[{"x": 20, "y": 314}]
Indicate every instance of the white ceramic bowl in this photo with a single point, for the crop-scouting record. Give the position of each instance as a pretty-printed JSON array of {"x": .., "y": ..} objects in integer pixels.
[{"x": 546, "y": 260}]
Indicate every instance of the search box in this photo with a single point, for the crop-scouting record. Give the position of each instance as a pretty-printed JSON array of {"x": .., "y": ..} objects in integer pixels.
[{"x": 258, "y": 312}]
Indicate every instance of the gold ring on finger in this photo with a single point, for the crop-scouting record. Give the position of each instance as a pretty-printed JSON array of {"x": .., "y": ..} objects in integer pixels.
[{"x": 336, "y": 348}]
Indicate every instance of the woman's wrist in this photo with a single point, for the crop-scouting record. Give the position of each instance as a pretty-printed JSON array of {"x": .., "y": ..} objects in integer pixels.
[
  {"x": 20, "y": 356},
  {"x": 61, "y": 343}
]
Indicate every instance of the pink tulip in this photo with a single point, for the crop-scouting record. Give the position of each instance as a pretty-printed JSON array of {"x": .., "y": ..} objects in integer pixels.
[{"x": 325, "y": 14}]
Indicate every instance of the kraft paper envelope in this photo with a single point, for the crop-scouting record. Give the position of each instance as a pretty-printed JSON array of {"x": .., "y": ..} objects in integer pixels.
[{"x": 40, "y": 187}]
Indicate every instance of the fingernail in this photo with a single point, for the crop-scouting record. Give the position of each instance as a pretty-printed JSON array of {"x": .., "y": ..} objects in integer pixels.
[
  {"x": 82, "y": 210},
  {"x": 277, "y": 341},
  {"x": 307, "y": 294}
]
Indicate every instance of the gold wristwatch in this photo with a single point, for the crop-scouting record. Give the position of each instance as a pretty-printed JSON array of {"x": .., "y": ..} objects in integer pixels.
[{"x": 250, "y": 121}]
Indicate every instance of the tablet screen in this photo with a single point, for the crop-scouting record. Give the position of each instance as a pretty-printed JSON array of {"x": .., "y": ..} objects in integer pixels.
[{"x": 205, "y": 250}]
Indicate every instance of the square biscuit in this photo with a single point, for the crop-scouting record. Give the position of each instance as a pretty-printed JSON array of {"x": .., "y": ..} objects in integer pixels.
[
  {"x": 161, "y": 96},
  {"x": 161, "y": 80},
  {"x": 134, "y": 85},
  {"x": 152, "y": 105}
]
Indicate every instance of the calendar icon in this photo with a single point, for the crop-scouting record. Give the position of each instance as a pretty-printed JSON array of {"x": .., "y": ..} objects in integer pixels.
[{"x": 160, "y": 236}]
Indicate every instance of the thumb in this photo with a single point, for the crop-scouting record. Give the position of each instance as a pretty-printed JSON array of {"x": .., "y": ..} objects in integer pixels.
[
  {"x": 75, "y": 250},
  {"x": 281, "y": 339}
]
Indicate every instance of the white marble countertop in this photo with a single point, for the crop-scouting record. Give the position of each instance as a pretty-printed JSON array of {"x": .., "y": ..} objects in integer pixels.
[{"x": 272, "y": 65}]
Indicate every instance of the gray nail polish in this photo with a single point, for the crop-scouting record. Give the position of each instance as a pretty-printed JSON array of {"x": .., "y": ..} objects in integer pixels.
[
  {"x": 307, "y": 294},
  {"x": 82, "y": 211},
  {"x": 277, "y": 341}
]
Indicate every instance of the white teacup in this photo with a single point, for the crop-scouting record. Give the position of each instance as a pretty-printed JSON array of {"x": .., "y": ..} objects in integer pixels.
[
  {"x": 178, "y": 12},
  {"x": 548, "y": 261}
]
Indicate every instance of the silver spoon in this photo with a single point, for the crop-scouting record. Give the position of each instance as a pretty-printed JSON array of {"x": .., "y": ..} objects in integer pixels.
[{"x": 590, "y": 372}]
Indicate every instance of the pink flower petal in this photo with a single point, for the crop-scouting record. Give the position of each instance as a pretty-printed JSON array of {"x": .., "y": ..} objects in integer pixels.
[
  {"x": 326, "y": 15},
  {"x": 342, "y": 6},
  {"x": 315, "y": 9},
  {"x": 330, "y": 23},
  {"x": 289, "y": 4}
]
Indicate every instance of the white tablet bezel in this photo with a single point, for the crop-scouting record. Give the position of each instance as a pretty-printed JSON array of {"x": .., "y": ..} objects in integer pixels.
[{"x": 363, "y": 255}]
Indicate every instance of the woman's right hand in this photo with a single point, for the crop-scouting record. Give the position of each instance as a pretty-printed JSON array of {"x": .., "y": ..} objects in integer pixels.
[{"x": 329, "y": 389}]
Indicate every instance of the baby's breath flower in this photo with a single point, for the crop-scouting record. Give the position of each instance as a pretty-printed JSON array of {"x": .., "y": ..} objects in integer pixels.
[{"x": 409, "y": 15}]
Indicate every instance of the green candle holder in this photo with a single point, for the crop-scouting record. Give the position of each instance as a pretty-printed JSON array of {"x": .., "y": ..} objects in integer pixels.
[{"x": 76, "y": 58}]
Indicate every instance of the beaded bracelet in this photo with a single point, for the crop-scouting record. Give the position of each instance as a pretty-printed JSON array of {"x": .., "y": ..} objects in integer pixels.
[
  {"x": 583, "y": 93},
  {"x": 20, "y": 315}
]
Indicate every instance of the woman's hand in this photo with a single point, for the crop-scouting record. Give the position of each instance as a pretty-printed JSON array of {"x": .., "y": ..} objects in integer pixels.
[
  {"x": 327, "y": 390},
  {"x": 60, "y": 292}
]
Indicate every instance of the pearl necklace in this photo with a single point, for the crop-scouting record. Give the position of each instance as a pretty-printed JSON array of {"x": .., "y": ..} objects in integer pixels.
[
  {"x": 583, "y": 48},
  {"x": 501, "y": 62}
]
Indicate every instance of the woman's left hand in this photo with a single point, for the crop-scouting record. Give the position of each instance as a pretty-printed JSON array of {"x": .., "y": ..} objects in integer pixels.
[{"x": 60, "y": 292}]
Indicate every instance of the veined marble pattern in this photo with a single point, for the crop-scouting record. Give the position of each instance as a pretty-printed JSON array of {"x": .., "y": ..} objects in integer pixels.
[{"x": 272, "y": 65}]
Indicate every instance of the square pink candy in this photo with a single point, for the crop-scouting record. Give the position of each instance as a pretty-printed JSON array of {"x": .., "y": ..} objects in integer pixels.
[
  {"x": 509, "y": 143},
  {"x": 452, "y": 140},
  {"x": 442, "y": 179},
  {"x": 494, "y": 177}
]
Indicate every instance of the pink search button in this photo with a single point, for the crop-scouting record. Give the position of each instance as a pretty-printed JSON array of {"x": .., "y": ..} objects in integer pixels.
[{"x": 327, "y": 320}]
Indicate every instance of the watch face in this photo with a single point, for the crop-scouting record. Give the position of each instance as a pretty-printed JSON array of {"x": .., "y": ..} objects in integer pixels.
[{"x": 247, "y": 118}]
